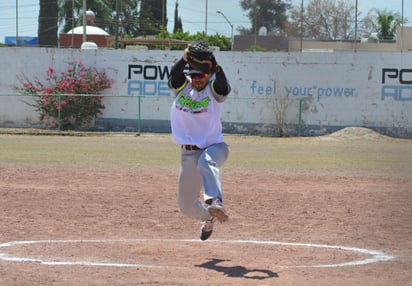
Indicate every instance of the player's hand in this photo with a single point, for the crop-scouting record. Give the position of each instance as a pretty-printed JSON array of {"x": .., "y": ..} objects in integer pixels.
[{"x": 185, "y": 52}]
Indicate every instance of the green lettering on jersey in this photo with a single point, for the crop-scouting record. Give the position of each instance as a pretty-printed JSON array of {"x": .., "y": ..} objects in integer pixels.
[{"x": 186, "y": 101}]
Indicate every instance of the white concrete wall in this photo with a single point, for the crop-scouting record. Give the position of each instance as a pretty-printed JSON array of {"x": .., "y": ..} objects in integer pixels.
[{"x": 337, "y": 89}]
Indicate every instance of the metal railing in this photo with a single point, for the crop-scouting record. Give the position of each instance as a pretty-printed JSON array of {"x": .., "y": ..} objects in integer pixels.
[{"x": 59, "y": 96}]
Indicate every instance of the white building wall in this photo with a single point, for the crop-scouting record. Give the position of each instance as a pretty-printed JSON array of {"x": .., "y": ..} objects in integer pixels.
[{"x": 335, "y": 90}]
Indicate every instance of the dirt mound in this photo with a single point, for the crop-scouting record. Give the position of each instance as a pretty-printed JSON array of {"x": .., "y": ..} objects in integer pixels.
[{"x": 357, "y": 133}]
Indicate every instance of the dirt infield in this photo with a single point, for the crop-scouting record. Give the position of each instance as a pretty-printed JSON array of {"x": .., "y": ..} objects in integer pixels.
[{"x": 101, "y": 210}]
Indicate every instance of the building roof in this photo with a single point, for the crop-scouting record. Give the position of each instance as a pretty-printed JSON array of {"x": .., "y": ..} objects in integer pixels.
[{"x": 90, "y": 30}]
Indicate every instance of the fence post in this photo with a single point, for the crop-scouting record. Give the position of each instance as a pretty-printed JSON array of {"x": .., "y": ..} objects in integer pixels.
[
  {"x": 300, "y": 117},
  {"x": 58, "y": 114},
  {"x": 138, "y": 115}
]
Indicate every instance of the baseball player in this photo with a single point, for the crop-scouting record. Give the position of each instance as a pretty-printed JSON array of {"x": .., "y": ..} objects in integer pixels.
[{"x": 196, "y": 127}]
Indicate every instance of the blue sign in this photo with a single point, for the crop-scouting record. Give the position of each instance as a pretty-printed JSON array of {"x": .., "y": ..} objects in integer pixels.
[{"x": 22, "y": 41}]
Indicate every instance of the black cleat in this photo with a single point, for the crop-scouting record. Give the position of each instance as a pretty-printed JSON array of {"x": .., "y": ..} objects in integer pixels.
[{"x": 207, "y": 228}]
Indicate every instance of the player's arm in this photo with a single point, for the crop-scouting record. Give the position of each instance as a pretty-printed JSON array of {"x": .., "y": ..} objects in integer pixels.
[
  {"x": 177, "y": 79},
  {"x": 220, "y": 86}
]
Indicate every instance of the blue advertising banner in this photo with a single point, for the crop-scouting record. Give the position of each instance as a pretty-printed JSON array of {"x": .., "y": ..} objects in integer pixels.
[{"x": 22, "y": 41}]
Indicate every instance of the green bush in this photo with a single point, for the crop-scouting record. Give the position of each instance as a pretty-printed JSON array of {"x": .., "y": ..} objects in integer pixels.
[{"x": 71, "y": 96}]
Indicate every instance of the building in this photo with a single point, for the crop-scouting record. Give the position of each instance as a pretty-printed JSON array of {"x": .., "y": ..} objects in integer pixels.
[
  {"x": 74, "y": 37},
  {"x": 273, "y": 43}
]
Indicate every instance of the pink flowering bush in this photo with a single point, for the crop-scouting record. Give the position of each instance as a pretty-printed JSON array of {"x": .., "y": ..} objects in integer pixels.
[{"x": 65, "y": 93}]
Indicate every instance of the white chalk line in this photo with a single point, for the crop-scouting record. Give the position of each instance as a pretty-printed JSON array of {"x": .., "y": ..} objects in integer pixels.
[{"x": 375, "y": 255}]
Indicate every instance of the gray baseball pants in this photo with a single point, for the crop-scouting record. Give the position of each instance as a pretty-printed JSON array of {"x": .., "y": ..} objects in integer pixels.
[{"x": 200, "y": 168}]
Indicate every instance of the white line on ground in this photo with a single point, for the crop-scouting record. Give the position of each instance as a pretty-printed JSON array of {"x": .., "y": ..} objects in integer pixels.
[{"x": 375, "y": 255}]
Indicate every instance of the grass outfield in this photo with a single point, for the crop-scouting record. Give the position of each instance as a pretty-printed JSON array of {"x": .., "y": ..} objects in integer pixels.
[{"x": 355, "y": 152}]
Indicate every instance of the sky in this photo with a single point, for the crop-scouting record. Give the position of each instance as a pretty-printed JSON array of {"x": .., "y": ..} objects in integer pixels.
[{"x": 197, "y": 16}]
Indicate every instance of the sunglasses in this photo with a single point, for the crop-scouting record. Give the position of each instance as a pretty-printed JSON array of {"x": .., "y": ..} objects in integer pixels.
[{"x": 199, "y": 75}]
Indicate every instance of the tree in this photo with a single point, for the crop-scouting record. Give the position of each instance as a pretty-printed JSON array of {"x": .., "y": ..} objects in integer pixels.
[
  {"x": 265, "y": 13},
  {"x": 128, "y": 18},
  {"x": 152, "y": 17},
  {"x": 324, "y": 20},
  {"x": 178, "y": 21},
  {"x": 47, "y": 30},
  {"x": 66, "y": 13},
  {"x": 384, "y": 23}
]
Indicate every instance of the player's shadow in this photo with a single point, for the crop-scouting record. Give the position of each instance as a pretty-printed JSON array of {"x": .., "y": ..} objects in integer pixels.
[{"x": 238, "y": 271}]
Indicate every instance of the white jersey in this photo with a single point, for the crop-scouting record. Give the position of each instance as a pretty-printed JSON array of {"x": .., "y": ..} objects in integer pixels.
[{"x": 196, "y": 117}]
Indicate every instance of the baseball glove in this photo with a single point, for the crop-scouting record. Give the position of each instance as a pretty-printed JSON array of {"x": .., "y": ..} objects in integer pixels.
[{"x": 201, "y": 58}]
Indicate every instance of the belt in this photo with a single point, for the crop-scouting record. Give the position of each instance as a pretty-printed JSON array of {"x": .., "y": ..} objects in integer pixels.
[{"x": 190, "y": 147}]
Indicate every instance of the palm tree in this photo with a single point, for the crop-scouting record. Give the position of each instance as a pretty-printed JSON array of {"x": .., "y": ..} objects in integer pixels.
[
  {"x": 387, "y": 24},
  {"x": 384, "y": 23}
]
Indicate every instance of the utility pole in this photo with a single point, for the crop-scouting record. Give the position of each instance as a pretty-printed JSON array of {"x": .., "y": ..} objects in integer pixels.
[
  {"x": 17, "y": 22},
  {"x": 116, "y": 42},
  {"x": 84, "y": 21},
  {"x": 206, "y": 20},
  {"x": 231, "y": 26}
]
